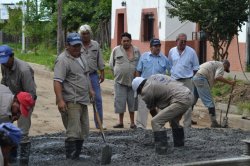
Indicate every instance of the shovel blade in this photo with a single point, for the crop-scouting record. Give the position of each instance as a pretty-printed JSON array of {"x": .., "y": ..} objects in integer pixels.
[
  {"x": 106, "y": 155},
  {"x": 224, "y": 122}
]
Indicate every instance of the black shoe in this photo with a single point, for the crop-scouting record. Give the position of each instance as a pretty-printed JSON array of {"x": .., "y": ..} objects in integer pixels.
[
  {"x": 118, "y": 126},
  {"x": 133, "y": 126},
  {"x": 193, "y": 122}
]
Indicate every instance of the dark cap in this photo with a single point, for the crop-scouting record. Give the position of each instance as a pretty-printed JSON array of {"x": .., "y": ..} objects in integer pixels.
[
  {"x": 5, "y": 53},
  {"x": 227, "y": 63},
  {"x": 155, "y": 42},
  {"x": 74, "y": 38}
]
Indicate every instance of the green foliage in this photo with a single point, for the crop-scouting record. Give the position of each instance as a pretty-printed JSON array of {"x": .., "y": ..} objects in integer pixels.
[
  {"x": 220, "y": 19},
  {"x": 14, "y": 25},
  {"x": 221, "y": 89},
  {"x": 108, "y": 73},
  {"x": 106, "y": 52},
  {"x": 43, "y": 55},
  {"x": 243, "y": 106}
]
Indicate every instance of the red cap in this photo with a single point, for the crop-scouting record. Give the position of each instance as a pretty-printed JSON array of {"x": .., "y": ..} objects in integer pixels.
[{"x": 26, "y": 102}]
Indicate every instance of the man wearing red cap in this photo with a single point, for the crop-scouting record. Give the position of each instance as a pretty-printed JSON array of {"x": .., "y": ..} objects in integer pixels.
[
  {"x": 19, "y": 77},
  {"x": 12, "y": 106}
]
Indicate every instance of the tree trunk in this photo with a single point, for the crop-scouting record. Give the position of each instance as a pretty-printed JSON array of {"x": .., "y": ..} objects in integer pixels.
[{"x": 59, "y": 28}]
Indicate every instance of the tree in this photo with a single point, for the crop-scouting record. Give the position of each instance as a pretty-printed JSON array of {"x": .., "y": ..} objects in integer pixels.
[
  {"x": 12, "y": 27},
  {"x": 220, "y": 19},
  {"x": 102, "y": 19}
]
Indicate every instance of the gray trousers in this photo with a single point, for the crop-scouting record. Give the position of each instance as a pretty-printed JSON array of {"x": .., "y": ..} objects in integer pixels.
[
  {"x": 76, "y": 121},
  {"x": 188, "y": 115},
  {"x": 142, "y": 114},
  {"x": 24, "y": 123},
  {"x": 172, "y": 114}
]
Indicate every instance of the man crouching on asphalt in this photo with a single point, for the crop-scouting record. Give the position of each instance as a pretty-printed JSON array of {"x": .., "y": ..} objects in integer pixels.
[
  {"x": 172, "y": 98},
  {"x": 73, "y": 91}
]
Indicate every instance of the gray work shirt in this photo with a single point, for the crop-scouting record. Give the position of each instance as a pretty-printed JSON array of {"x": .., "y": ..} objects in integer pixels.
[
  {"x": 19, "y": 78},
  {"x": 211, "y": 70},
  {"x": 124, "y": 68},
  {"x": 160, "y": 91},
  {"x": 6, "y": 100},
  {"x": 93, "y": 56},
  {"x": 74, "y": 78}
]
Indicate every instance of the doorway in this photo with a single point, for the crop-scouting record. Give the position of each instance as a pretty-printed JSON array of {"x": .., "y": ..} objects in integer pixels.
[{"x": 120, "y": 27}]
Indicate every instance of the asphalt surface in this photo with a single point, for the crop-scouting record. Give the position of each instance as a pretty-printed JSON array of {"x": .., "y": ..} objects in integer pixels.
[{"x": 136, "y": 147}]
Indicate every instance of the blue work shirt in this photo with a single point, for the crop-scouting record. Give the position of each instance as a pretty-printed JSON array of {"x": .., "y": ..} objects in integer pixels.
[
  {"x": 150, "y": 64},
  {"x": 184, "y": 65}
]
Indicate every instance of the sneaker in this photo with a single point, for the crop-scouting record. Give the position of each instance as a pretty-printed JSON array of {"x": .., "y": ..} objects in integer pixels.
[
  {"x": 133, "y": 126},
  {"x": 104, "y": 127},
  {"x": 118, "y": 126}
]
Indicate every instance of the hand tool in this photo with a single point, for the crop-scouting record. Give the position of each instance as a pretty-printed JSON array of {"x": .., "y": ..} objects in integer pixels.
[
  {"x": 106, "y": 150},
  {"x": 225, "y": 119}
]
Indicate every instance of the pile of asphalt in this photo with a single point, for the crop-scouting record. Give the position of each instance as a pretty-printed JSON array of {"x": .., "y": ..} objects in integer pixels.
[{"x": 136, "y": 147}]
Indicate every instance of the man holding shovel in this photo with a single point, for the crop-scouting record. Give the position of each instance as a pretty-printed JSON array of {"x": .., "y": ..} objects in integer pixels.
[
  {"x": 204, "y": 79},
  {"x": 73, "y": 92},
  {"x": 172, "y": 98}
]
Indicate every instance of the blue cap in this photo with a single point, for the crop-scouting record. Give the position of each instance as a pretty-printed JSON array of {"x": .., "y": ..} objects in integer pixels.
[
  {"x": 11, "y": 131},
  {"x": 155, "y": 42},
  {"x": 74, "y": 38},
  {"x": 5, "y": 53}
]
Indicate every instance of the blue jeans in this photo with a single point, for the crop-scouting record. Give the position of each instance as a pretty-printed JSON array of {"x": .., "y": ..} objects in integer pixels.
[
  {"x": 94, "y": 77},
  {"x": 202, "y": 90}
]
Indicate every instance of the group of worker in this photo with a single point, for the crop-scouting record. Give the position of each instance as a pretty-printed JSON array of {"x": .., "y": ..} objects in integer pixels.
[
  {"x": 140, "y": 82},
  {"x": 167, "y": 87}
]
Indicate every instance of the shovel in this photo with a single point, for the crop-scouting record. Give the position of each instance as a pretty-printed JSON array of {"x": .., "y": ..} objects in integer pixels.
[
  {"x": 106, "y": 150},
  {"x": 225, "y": 119}
]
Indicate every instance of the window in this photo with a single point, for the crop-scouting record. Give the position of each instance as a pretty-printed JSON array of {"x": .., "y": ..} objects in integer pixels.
[{"x": 148, "y": 26}]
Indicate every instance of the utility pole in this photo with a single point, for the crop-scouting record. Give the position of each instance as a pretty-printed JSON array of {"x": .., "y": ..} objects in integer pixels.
[
  {"x": 59, "y": 28},
  {"x": 23, "y": 26}
]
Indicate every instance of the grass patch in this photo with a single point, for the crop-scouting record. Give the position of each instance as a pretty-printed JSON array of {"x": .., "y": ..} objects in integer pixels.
[
  {"x": 221, "y": 89},
  {"x": 243, "y": 106},
  {"x": 108, "y": 73},
  {"x": 41, "y": 55}
]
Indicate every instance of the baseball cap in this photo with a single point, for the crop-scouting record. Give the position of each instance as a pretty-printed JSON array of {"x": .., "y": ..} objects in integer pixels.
[
  {"x": 136, "y": 83},
  {"x": 155, "y": 42},
  {"x": 11, "y": 131},
  {"x": 227, "y": 63},
  {"x": 74, "y": 38},
  {"x": 26, "y": 102},
  {"x": 5, "y": 53}
]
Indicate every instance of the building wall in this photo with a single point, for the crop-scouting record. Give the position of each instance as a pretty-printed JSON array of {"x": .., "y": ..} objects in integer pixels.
[{"x": 233, "y": 55}]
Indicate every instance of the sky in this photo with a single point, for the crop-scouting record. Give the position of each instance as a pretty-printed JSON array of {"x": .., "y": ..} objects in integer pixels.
[{"x": 9, "y": 1}]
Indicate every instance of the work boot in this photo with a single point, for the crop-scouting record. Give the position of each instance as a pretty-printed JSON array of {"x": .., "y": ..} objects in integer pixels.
[
  {"x": 78, "y": 148},
  {"x": 24, "y": 154},
  {"x": 69, "y": 149},
  {"x": 13, "y": 155},
  {"x": 178, "y": 136},
  {"x": 214, "y": 123},
  {"x": 161, "y": 142}
]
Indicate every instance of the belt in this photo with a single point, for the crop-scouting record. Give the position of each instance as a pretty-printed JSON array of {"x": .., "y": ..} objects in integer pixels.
[
  {"x": 183, "y": 79},
  {"x": 94, "y": 72}
]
